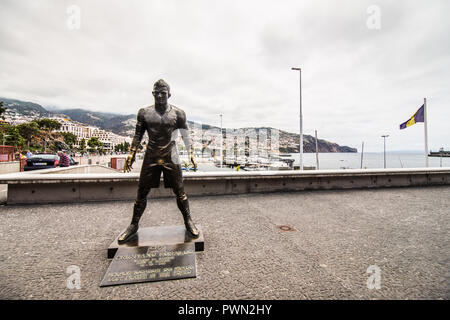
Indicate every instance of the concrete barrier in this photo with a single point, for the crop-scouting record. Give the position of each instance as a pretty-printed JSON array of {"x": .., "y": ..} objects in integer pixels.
[
  {"x": 58, "y": 187},
  {"x": 78, "y": 169},
  {"x": 9, "y": 166}
]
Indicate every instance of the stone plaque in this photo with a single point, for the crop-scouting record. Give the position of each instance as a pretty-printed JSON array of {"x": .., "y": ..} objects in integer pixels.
[
  {"x": 161, "y": 235},
  {"x": 151, "y": 263}
]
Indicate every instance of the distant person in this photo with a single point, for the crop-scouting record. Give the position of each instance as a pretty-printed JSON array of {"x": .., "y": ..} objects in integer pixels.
[
  {"x": 29, "y": 154},
  {"x": 64, "y": 160}
]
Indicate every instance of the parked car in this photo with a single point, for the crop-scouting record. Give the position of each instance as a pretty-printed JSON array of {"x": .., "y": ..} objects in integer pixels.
[
  {"x": 44, "y": 161},
  {"x": 41, "y": 161}
]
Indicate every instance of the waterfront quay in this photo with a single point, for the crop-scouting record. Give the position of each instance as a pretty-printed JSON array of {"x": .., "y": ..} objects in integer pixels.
[
  {"x": 99, "y": 183},
  {"x": 335, "y": 237}
]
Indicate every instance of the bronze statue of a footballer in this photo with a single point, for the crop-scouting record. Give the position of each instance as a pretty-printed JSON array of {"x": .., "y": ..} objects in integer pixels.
[{"x": 160, "y": 121}]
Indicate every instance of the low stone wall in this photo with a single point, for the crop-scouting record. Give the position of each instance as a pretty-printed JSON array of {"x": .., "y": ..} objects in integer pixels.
[
  {"x": 9, "y": 166},
  {"x": 78, "y": 169},
  {"x": 53, "y": 188}
]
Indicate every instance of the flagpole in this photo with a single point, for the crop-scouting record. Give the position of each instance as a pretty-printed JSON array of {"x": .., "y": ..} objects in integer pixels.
[
  {"x": 362, "y": 153},
  {"x": 301, "y": 121},
  {"x": 425, "y": 129},
  {"x": 317, "y": 152}
]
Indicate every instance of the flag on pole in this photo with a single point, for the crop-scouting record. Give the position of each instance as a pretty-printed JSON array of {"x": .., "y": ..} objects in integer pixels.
[{"x": 417, "y": 117}]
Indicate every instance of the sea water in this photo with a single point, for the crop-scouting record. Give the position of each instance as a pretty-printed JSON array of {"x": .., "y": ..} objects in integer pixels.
[
  {"x": 371, "y": 160},
  {"x": 341, "y": 161}
]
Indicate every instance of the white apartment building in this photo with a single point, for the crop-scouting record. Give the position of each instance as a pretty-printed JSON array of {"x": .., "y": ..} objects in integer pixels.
[
  {"x": 67, "y": 126},
  {"x": 109, "y": 139}
]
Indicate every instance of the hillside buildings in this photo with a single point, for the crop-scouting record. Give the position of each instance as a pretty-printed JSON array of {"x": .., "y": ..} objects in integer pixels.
[
  {"x": 109, "y": 139},
  {"x": 15, "y": 118}
]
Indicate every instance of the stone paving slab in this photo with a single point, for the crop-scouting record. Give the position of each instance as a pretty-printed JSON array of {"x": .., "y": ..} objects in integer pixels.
[{"x": 405, "y": 232}]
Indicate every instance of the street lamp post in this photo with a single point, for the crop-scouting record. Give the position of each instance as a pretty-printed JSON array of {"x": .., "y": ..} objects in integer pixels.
[
  {"x": 5, "y": 135},
  {"x": 384, "y": 138},
  {"x": 301, "y": 119},
  {"x": 221, "y": 142}
]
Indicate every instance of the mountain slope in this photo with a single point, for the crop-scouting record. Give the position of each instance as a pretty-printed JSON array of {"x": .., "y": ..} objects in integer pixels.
[
  {"x": 107, "y": 121},
  {"x": 25, "y": 108},
  {"x": 125, "y": 125}
]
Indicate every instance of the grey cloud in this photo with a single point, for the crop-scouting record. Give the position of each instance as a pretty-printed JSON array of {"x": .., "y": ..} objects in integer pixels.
[{"x": 235, "y": 58}]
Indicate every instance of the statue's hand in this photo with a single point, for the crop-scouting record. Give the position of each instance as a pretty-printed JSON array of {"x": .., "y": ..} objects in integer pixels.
[
  {"x": 194, "y": 163},
  {"x": 128, "y": 163}
]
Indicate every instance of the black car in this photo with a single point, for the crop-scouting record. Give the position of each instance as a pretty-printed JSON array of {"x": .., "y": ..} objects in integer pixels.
[{"x": 44, "y": 161}]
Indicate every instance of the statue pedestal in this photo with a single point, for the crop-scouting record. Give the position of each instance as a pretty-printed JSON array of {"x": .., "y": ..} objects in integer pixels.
[{"x": 162, "y": 235}]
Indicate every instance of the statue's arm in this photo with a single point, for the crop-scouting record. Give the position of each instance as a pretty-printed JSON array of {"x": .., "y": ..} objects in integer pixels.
[
  {"x": 140, "y": 130},
  {"x": 139, "y": 133},
  {"x": 182, "y": 125}
]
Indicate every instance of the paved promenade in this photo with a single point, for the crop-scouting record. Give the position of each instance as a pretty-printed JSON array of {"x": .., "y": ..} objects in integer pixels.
[{"x": 405, "y": 232}]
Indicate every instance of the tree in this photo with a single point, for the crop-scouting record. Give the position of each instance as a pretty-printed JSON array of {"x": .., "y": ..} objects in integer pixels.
[
  {"x": 12, "y": 137},
  {"x": 118, "y": 147},
  {"x": 83, "y": 144},
  {"x": 95, "y": 144},
  {"x": 28, "y": 131},
  {"x": 126, "y": 146},
  {"x": 69, "y": 138},
  {"x": 48, "y": 124}
]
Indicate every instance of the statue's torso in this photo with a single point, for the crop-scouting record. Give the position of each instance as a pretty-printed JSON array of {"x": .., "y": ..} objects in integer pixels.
[{"x": 160, "y": 128}]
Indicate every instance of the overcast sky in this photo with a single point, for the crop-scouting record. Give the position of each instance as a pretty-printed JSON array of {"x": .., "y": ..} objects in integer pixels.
[{"x": 361, "y": 76}]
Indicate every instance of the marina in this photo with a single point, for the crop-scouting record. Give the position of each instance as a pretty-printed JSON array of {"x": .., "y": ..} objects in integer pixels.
[{"x": 328, "y": 161}]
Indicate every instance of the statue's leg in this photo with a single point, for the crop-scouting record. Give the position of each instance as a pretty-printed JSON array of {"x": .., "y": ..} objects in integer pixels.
[
  {"x": 139, "y": 206},
  {"x": 183, "y": 205}
]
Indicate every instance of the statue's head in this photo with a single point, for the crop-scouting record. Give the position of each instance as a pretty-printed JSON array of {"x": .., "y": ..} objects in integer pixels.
[{"x": 161, "y": 91}]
